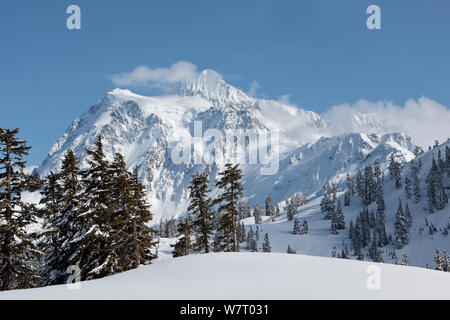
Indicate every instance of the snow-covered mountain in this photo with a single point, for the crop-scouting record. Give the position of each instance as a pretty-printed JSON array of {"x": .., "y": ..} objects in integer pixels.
[
  {"x": 149, "y": 130},
  {"x": 429, "y": 231}
]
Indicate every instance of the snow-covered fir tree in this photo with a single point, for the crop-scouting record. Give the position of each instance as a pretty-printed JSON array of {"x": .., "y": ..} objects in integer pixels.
[
  {"x": 297, "y": 227},
  {"x": 252, "y": 244},
  {"x": 340, "y": 220},
  {"x": 61, "y": 222},
  {"x": 269, "y": 207},
  {"x": 401, "y": 227},
  {"x": 200, "y": 210},
  {"x": 351, "y": 185},
  {"x": 227, "y": 201},
  {"x": 266, "y": 244},
  {"x": 347, "y": 198},
  {"x": 133, "y": 241},
  {"x": 416, "y": 181},
  {"x": 327, "y": 203},
  {"x": 394, "y": 171},
  {"x": 18, "y": 253},
  {"x": 257, "y": 213},
  {"x": 408, "y": 188},
  {"x": 380, "y": 219},
  {"x": 436, "y": 189},
  {"x": 183, "y": 246},
  {"x": 442, "y": 261},
  {"x": 291, "y": 209},
  {"x": 290, "y": 250}
]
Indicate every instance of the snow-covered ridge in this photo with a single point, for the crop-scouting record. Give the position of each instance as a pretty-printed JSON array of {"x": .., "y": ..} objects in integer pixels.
[{"x": 255, "y": 276}]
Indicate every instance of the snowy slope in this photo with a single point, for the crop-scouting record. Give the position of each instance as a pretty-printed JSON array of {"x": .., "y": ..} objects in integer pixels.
[
  {"x": 308, "y": 168},
  {"x": 255, "y": 276},
  {"x": 148, "y": 130},
  {"x": 320, "y": 242}
]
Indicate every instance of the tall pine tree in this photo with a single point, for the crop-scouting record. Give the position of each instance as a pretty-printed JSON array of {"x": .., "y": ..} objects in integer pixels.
[
  {"x": 228, "y": 200},
  {"x": 18, "y": 253}
]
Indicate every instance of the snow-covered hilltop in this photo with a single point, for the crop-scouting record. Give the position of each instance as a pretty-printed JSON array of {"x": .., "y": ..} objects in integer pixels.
[
  {"x": 255, "y": 276},
  {"x": 147, "y": 131}
]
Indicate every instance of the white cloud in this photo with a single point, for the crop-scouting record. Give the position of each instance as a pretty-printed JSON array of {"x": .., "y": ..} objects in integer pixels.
[
  {"x": 424, "y": 120},
  {"x": 253, "y": 91},
  {"x": 159, "y": 77}
]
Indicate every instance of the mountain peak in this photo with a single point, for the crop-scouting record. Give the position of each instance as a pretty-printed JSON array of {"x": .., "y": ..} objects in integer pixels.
[{"x": 210, "y": 86}]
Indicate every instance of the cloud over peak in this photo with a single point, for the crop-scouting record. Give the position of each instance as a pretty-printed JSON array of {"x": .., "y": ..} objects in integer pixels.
[
  {"x": 144, "y": 76},
  {"x": 425, "y": 120}
]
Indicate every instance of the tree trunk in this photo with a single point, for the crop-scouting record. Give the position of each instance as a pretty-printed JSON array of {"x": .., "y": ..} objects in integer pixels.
[
  {"x": 137, "y": 255},
  {"x": 6, "y": 252}
]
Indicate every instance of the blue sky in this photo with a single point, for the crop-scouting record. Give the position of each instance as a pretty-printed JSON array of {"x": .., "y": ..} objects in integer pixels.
[{"x": 318, "y": 52}]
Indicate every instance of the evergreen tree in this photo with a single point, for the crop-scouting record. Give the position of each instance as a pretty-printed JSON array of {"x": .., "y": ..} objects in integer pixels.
[
  {"x": 252, "y": 244},
  {"x": 61, "y": 221},
  {"x": 95, "y": 254},
  {"x": 171, "y": 228},
  {"x": 269, "y": 207},
  {"x": 374, "y": 254},
  {"x": 18, "y": 252},
  {"x": 340, "y": 220},
  {"x": 257, "y": 213},
  {"x": 241, "y": 235},
  {"x": 380, "y": 219},
  {"x": 328, "y": 201},
  {"x": 408, "y": 190},
  {"x": 334, "y": 225},
  {"x": 244, "y": 210},
  {"x": 200, "y": 209},
  {"x": 441, "y": 162},
  {"x": 377, "y": 173},
  {"x": 415, "y": 182},
  {"x": 405, "y": 260},
  {"x": 290, "y": 250},
  {"x": 369, "y": 185},
  {"x": 350, "y": 230},
  {"x": 266, "y": 244},
  {"x": 51, "y": 195},
  {"x": 442, "y": 261},
  {"x": 232, "y": 190},
  {"x": 351, "y": 187},
  {"x": 359, "y": 184},
  {"x": 408, "y": 216},
  {"x": 291, "y": 210},
  {"x": 183, "y": 246},
  {"x": 401, "y": 227},
  {"x": 297, "y": 227},
  {"x": 132, "y": 241},
  {"x": 304, "y": 227},
  {"x": 436, "y": 190},
  {"x": 447, "y": 160},
  {"x": 347, "y": 198},
  {"x": 394, "y": 171}
]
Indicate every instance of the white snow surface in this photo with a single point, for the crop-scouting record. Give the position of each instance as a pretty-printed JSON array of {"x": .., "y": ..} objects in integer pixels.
[{"x": 255, "y": 276}]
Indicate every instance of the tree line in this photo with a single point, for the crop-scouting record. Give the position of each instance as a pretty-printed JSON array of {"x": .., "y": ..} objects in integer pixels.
[{"x": 93, "y": 219}]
